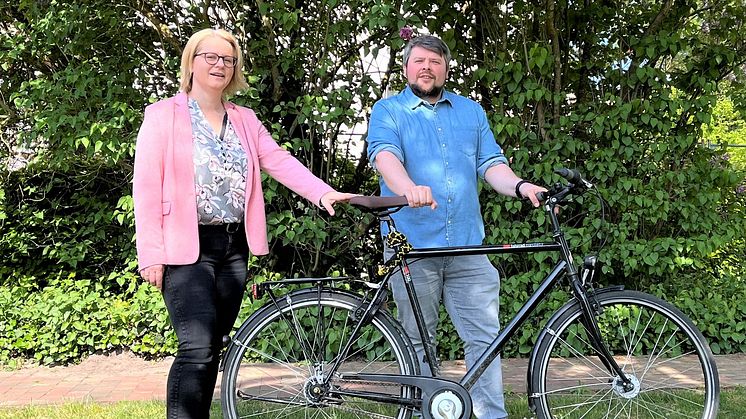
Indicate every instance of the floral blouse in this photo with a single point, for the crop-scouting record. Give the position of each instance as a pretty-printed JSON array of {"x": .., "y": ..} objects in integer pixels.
[{"x": 220, "y": 170}]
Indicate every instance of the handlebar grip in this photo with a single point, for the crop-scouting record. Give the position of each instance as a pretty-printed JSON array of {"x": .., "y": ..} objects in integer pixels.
[
  {"x": 571, "y": 175},
  {"x": 542, "y": 196},
  {"x": 574, "y": 177}
]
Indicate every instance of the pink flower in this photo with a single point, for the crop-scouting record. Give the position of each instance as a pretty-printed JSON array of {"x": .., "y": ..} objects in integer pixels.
[{"x": 406, "y": 33}]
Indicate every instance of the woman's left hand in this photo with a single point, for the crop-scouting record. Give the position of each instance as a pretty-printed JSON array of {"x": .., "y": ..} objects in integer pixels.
[{"x": 331, "y": 198}]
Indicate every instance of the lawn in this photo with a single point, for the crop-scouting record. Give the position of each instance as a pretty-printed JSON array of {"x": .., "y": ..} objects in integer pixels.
[{"x": 732, "y": 406}]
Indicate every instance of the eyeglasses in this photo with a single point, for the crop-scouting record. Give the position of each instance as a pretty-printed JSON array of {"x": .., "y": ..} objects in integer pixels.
[{"x": 212, "y": 59}]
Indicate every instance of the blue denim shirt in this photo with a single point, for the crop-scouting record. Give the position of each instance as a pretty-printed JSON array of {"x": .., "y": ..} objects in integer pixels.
[{"x": 448, "y": 147}]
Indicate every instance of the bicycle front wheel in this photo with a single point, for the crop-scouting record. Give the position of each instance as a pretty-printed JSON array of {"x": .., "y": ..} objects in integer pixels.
[
  {"x": 667, "y": 359},
  {"x": 279, "y": 363}
]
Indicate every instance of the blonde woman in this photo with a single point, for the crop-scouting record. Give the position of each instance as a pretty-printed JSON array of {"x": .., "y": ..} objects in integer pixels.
[{"x": 199, "y": 208}]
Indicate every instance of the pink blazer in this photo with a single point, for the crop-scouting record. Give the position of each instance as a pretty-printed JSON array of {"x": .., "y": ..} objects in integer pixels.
[{"x": 163, "y": 187}]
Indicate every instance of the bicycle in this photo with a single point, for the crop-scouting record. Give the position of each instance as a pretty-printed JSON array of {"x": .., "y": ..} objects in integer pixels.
[{"x": 321, "y": 351}]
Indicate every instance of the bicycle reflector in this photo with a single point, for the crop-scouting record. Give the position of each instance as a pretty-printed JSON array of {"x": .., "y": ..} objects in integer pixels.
[{"x": 257, "y": 291}]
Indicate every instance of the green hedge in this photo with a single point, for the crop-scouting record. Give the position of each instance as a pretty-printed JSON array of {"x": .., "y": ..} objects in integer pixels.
[
  {"x": 72, "y": 318},
  {"x": 623, "y": 94}
]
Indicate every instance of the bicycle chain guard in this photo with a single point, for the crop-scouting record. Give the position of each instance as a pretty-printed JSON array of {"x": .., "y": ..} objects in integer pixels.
[{"x": 435, "y": 390}]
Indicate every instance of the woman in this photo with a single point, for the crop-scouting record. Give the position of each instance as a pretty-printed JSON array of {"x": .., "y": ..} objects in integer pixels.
[{"x": 199, "y": 208}]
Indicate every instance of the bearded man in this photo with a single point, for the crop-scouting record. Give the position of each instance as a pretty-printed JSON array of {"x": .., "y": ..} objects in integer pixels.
[{"x": 433, "y": 146}]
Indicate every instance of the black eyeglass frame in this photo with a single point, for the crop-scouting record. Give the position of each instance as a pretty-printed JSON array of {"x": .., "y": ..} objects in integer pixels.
[{"x": 232, "y": 64}]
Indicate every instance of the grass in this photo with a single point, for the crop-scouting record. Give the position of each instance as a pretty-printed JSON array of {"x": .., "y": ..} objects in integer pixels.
[
  {"x": 119, "y": 410},
  {"x": 732, "y": 406}
]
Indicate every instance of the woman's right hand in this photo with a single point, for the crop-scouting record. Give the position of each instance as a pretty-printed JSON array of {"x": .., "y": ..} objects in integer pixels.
[
  {"x": 154, "y": 275},
  {"x": 330, "y": 198}
]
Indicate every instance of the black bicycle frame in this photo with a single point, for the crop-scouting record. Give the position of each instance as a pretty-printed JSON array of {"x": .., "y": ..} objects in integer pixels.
[
  {"x": 476, "y": 370},
  {"x": 565, "y": 267}
]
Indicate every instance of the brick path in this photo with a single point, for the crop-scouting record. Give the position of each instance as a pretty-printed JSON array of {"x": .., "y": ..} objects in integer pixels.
[{"x": 110, "y": 379}]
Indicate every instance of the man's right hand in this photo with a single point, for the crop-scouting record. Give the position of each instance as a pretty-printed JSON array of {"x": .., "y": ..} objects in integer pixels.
[
  {"x": 398, "y": 180},
  {"x": 420, "y": 196},
  {"x": 154, "y": 275}
]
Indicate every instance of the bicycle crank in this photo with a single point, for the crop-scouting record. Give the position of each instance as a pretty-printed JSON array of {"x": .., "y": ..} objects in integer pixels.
[{"x": 446, "y": 405}]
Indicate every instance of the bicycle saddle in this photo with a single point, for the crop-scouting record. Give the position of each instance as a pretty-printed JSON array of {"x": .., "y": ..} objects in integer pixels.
[{"x": 379, "y": 202}]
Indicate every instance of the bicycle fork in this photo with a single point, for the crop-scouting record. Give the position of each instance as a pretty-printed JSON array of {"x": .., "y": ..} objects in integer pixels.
[
  {"x": 594, "y": 333},
  {"x": 588, "y": 319}
]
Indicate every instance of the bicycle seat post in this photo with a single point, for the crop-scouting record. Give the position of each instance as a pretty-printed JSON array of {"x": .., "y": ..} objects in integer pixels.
[{"x": 386, "y": 218}]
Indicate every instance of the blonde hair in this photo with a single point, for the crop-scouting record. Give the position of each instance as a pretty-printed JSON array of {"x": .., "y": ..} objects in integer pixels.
[{"x": 237, "y": 83}]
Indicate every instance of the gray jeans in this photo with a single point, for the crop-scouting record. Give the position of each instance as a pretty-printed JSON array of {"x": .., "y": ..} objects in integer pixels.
[{"x": 469, "y": 286}]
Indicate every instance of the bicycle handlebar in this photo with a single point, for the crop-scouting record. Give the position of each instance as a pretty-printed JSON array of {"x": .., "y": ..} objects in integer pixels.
[
  {"x": 576, "y": 185},
  {"x": 571, "y": 175}
]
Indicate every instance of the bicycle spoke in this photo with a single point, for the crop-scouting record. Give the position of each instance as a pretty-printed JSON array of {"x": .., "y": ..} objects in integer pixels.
[
  {"x": 305, "y": 347},
  {"x": 300, "y": 342},
  {"x": 579, "y": 355},
  {"x": 655, "y": 408},
  {"x": 668, "y": 366},
  {"x": 592, "y": 400}
]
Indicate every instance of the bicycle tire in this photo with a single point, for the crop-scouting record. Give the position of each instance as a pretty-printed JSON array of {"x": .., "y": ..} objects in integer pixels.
[
  {"x": 270, "y": 373},
  {"x": 655, "y": 344}
]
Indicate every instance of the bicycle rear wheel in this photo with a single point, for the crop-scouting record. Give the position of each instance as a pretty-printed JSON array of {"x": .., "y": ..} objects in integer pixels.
[
  {"x": 281, "y": 355},
  {"x": 658, "y": 348}
]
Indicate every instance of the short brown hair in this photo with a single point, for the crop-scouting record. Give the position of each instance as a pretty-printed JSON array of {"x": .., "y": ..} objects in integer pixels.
[
  {"x": 237, "y": 83},
  {"x": 430, "y": 43}
]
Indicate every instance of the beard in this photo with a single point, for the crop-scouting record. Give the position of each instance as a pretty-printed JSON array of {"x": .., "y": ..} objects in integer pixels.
[{"x": 435, "y": 91}]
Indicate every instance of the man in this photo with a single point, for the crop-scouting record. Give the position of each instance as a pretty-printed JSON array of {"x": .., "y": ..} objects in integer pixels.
[{"x": 431, "y": 146}]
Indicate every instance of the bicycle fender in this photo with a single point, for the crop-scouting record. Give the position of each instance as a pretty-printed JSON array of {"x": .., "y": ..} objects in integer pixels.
[{"x": 570, "y": 305}]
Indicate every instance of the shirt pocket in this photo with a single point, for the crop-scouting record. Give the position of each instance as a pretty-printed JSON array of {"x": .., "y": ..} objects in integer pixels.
[
  {"x": 466, "y": 140},
  {"x": 166, "y": 207}
]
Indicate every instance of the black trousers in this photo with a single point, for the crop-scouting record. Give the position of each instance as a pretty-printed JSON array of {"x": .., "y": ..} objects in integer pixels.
[{"x": 203, "y": 300}]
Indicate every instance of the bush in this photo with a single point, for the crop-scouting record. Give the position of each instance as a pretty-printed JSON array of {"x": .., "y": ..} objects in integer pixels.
[{"x": 71, "y": 318}]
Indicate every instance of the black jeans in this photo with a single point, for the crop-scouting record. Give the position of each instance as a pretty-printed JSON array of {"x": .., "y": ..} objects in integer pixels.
[{"x": 203, "y": 300}]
